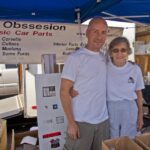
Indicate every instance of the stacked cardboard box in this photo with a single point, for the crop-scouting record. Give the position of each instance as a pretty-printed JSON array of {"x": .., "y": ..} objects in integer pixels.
[
  {"x": 122, "y": 143},
  {"x": 3, "y": 134},
  {"x": 17, "y": 138},
  {"x": 143, "y": 140}
]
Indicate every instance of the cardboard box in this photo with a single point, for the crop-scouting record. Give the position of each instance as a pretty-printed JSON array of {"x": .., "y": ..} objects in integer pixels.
[
  {"x": 143, "y": 140},
  {"x": 17, "y": 138},
  {"x": 3, "y": 134},
  {"x": 122, "y": 143}
]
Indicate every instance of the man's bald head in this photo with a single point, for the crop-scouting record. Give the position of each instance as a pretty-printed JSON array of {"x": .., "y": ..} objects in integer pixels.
[
  {"x": 96, "y": 33},
  {"x": 96, "y": 20}
]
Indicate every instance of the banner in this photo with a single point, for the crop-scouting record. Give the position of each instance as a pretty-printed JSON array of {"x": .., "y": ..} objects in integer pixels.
[{"x": 25, "y": 42}]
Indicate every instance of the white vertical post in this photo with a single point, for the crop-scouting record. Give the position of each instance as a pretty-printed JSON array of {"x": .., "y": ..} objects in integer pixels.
[{"x": 48, "y": 63}]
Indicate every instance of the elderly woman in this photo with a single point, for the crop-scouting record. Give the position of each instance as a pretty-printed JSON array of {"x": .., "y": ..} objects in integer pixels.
[{"x": 124, "y": 96}]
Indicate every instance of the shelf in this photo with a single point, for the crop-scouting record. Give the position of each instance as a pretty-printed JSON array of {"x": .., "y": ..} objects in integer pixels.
[{"x": 146, "y": 54}]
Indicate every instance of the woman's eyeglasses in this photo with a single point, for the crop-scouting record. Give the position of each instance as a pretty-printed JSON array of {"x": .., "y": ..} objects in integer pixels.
[{"x": 116, "y": 50}]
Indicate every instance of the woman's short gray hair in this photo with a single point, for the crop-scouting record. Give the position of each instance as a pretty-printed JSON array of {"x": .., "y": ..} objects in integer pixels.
[{"x": 117, "y": 41}]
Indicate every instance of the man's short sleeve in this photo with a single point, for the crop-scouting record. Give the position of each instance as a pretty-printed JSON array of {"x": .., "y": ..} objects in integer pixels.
[{"x": 71, "y": 67}]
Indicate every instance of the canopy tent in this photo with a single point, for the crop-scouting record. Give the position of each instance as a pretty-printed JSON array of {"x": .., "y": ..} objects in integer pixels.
[
  {"x": 71, "y": 10},
  {"x": 137, "y": 11},
  {"x": 53, "y": 10}
]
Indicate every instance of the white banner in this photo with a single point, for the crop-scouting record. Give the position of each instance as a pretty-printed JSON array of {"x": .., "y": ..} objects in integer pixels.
[{"x": 25, "y": 42}]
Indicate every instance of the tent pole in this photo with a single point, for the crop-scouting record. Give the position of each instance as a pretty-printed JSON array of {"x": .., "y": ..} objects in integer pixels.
[
  {"x": 79, "y": 24},
  {"x": 122, "y": 17}
]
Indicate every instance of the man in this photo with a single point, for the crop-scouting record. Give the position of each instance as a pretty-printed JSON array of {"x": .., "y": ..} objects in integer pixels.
[{"x": 85, "y": 71}]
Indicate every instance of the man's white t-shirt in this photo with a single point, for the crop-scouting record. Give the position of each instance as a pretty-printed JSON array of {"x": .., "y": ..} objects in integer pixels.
[
  {"x": 122, "y": 82},
  {"x": 87, "y": 69}
]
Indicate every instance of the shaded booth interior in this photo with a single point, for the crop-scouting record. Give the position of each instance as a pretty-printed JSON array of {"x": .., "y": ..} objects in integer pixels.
[{"x": 143, "y": 60}]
